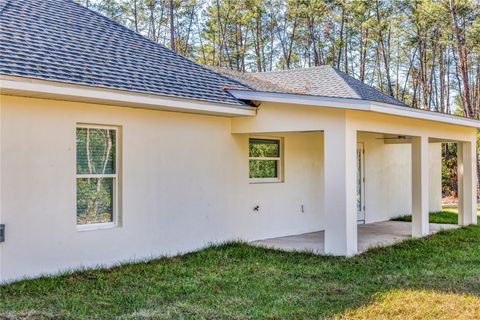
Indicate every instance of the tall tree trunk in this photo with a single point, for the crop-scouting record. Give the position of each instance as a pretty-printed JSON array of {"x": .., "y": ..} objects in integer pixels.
[
  {"x": 172, "y": 26},
  {"x": 386, "y": 59},
  {"x": 363, "y": 54},
  {"x": 441, "y": 61},
  {"x": 341, "y": 37},
  {"x": 462, "y": 63}
]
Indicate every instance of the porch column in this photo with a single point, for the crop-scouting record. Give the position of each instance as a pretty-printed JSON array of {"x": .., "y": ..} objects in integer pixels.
[
  {"x": 340, "y": 146},
  {"x": 420, "y": 182},
  {"x": 467, "y": 183}
]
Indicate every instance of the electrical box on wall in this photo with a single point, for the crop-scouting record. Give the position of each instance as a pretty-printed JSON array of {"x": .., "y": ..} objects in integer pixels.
[{"x": 2, "y": 233}]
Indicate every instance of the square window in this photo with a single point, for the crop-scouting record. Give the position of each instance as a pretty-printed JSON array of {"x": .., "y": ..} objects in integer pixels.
[
  {"x": 265, "y": 160},
  {"x": 97, "y": 175}
]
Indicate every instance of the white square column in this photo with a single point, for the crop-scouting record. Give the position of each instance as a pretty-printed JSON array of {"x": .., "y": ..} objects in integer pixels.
[
  {"x": 340, "y": 152},
  {"x": 467, "y": 183},
  {"x": 420, "y": 186}
]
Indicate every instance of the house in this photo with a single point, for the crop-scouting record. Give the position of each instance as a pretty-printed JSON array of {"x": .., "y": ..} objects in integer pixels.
[{"x": 114, "y": 148}]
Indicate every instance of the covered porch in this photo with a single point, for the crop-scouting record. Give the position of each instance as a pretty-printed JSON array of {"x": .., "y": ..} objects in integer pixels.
[
  {"x": 341, "y": 132},
  {"x": 369, "y": 236}
]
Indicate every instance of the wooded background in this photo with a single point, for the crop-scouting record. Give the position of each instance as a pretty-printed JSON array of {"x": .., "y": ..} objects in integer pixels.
[{"x": 423, "y": 52}]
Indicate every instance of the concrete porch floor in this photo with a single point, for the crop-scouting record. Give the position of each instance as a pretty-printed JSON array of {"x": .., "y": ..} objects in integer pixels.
[{"x": 369, "y": 236}]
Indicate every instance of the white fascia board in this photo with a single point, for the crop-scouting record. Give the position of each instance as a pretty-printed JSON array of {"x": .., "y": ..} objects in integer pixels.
[
  {"x": 354, "y": 104},
  {"x": 37, "y": 88}
]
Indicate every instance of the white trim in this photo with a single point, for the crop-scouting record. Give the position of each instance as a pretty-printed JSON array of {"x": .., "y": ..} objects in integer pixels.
[
  {"x": 96, "y": 126},
  {"x": 265, "y": 158},
  {"x": 37, "y": 88},
  {"x": 116, "y": 208},
  {"x": 96, "y": 226},
  {"x": 264, "y": 180},
  {"x": 361, "y": 162},
  {"x": 279, "y": 160},
  {"x": 96, "y": 175},
  {"x": 354, "y": 104}
]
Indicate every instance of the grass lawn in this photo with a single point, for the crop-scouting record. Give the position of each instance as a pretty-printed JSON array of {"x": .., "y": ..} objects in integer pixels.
[
  {"x": 447, "y": 215},
  {"x": 433, "y": 278}
]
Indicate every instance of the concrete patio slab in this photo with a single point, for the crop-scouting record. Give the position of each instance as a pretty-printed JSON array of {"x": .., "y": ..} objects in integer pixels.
[{"x": 369, "y": 236}]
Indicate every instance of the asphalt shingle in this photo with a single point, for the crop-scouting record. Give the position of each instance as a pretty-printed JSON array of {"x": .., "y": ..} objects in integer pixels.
[
  {"x": 63, "y": 41},
  {"x": 323, "y": 81}
]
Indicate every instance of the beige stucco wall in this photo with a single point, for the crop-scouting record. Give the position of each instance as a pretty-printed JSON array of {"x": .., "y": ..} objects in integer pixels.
[
  {"x": 387, "y": 178},
  {"x": 273, "y": 117},
  {"x": 185, "y": 184},
  {"x": 388, "y": 183},
  {"x": 184, "y": 178}
]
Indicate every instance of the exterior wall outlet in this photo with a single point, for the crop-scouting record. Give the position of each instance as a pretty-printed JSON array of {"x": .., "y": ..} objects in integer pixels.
[
  {"x": 302, "y": 208},
  {"x": 2, "y": 233},
  {"x": 256, "y": 208}
]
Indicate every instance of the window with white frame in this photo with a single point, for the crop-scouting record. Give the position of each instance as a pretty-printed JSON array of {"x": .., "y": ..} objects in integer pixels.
[
  {"x": 97, "y": 175},
  {"x": 265, "y": 159}
]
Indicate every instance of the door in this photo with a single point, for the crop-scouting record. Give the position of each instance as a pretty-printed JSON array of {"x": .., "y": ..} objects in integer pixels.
[{"x": 360, "y": 183}]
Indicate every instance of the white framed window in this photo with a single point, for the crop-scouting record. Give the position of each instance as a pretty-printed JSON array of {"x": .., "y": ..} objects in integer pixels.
[
  {"x": 265, "y": 159},
  {"x": 97, "y": 176}
]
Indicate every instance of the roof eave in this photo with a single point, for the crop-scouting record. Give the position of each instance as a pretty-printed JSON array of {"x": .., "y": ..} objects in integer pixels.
[
  {"x": 354, "y": 104},
  {"x": 37, "y": 88}
]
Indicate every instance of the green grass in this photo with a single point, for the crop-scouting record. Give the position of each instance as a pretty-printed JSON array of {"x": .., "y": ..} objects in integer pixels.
[
  {"x": 432, "y": 278},
  {"x": 448, "y": 215}
]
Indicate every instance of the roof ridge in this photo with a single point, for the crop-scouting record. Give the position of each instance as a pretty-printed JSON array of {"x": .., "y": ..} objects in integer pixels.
[
  {"x": 216, "y": 70},
  {"x": 276, "y": 84},
  {"x": 343, "y": 75},
  {"x": 359, "y": 82},
  {"x": 153, "y": 42},
  {"x": 325, "y": 81},
  {"x": 293, "y": 69}
]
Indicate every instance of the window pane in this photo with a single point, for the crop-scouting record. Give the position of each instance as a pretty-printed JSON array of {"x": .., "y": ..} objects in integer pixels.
[
  {"x": 263, "y": 168},
  {"x": 264, "y": 148},
  {"x": 94, "y": 200},
  {"x": 95, "y": 151}
]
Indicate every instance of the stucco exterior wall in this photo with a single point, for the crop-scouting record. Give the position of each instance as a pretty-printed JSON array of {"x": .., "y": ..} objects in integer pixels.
[
  {"x": 184, "y": 179},
  {"x": 388, "y": 184},
  {"x": 387, "y": 178},
  {"x": 281, "y": 117}
]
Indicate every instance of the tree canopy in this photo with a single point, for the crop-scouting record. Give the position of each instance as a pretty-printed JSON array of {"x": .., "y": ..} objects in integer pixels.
[{"x": 423, "y": 52}]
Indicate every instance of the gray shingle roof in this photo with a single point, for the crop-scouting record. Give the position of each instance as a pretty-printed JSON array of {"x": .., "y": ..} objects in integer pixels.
[
  {"x": 324, "y": 81},
  {"x": 61, "y": 40}
]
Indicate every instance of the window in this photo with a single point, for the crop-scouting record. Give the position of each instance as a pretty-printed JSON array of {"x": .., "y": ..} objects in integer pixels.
[
  {"x": 97, "y": 176},
  {"x": 265, "y": 163}
]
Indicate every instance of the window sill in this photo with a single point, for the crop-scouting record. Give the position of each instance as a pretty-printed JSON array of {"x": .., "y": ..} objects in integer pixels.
[
  {"x": 262, "y": 181},
  {"x": 96, "y": 226}
]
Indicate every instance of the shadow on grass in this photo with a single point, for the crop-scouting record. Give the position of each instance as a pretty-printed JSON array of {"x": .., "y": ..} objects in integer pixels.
[{"x": 238, "y": 281}]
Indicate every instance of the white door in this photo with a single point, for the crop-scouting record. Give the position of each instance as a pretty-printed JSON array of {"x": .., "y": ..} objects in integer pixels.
[{"x": 360, "y": 183}]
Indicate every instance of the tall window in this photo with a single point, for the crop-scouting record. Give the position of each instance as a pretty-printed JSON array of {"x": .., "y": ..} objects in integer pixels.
[
  {"x": 265, "y": 160},
  {"x": 97, "y": 176}
]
